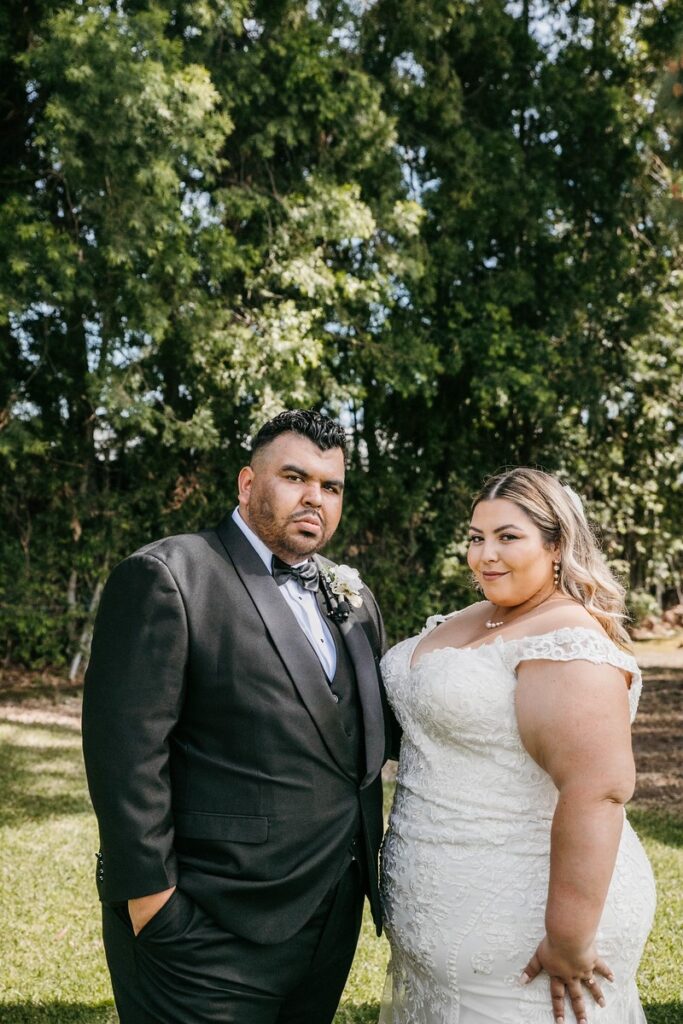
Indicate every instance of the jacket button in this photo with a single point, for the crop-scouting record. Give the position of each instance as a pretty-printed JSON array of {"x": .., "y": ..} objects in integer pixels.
[{"x": 335, "y": 698}]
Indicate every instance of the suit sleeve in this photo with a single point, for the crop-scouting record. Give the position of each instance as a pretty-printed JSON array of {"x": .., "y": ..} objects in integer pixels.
[
  {"x": 132, "y": 698},
  {"x": 393, "y": 731},
  {"x": 379, "y": 642}
]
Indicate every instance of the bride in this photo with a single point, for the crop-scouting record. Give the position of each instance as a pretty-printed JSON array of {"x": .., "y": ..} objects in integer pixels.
[{"x": 514, "y": 889}]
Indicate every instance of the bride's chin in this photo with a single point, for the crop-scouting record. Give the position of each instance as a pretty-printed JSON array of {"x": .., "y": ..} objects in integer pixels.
[{"x": 502, "y": 600}]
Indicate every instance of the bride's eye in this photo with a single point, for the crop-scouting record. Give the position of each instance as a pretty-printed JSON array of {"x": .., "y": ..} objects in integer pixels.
[{"x": 474, "y": 540}]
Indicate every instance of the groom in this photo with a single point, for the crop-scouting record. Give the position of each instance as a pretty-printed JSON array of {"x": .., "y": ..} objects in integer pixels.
[{"x": 234, "y": 729}]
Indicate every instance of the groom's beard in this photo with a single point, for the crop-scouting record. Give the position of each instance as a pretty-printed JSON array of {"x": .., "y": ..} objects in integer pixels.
[{"x": 278, "y": 535}]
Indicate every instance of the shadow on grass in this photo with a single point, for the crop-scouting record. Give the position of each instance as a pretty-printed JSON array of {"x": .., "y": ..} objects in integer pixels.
[
  {"x": 40, "y": 782},
  {"x": 662, "y": 827},
  {"x": 57, "y": 1013},
  {"x": 664, "y": 1013},
  {"x": 359, "y": 1013}
]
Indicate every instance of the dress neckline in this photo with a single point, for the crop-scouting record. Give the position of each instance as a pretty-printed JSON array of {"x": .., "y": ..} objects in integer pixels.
[{"x": 501, "y": 641}]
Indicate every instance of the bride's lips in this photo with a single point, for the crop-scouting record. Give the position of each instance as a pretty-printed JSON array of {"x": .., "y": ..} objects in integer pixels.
[{"x": 493, "y": 575}]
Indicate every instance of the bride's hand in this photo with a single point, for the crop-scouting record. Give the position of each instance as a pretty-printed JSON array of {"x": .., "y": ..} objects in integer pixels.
[{"x": 568, "y": 972}]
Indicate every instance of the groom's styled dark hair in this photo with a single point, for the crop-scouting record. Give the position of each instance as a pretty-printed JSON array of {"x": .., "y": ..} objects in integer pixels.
[{"x": 321, "y": 430}]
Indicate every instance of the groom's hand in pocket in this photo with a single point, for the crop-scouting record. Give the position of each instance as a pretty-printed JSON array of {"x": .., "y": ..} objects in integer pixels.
[{"x": 143, "y": 909}]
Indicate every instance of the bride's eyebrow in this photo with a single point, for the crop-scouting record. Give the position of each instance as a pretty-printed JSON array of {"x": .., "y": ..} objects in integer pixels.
[{"x": 498, "y": 529}]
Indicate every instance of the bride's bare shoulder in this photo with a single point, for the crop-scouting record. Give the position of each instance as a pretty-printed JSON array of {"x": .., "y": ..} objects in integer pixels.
[
  {"x": 566, "y": 614},
  {"x": 457, "y": 628},
  {"x": 463, "y": 622},
  {"x": 472, "y": 612}
]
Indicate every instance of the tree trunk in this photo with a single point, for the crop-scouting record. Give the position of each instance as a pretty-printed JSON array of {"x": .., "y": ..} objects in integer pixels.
[{"x": 86, "y": 634}]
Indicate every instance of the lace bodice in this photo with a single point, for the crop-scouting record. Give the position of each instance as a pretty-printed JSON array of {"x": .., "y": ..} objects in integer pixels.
[
  {"x": 570, "y": 643},
  {"x": 457, "y": 710},
  {"x": 466, "y": 858}
]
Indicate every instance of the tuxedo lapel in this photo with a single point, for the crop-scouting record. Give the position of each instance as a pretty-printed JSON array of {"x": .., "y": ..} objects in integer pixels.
[
  {"x": 363, "y": 658},
  {"x": 298, "y": 656}
]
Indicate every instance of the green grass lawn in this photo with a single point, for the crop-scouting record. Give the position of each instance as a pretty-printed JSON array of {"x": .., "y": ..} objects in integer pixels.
[{"x": 51, "y": 958}]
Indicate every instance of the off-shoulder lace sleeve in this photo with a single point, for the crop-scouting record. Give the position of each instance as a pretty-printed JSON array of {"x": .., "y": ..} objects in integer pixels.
[
  {"x": 576, "y": 643},
  {"x": 432, "y": 622},
  {"x": 435, "y": 620}
]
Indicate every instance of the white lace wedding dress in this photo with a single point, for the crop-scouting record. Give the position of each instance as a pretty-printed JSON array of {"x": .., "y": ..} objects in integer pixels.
[{"x": 466, "y": 857}]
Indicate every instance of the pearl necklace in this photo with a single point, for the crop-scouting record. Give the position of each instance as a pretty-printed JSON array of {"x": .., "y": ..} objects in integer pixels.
[{"x": 492, "y": 625}]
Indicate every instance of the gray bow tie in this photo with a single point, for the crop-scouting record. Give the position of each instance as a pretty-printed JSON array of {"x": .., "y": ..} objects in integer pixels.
[{"x": 307, "y": 574}]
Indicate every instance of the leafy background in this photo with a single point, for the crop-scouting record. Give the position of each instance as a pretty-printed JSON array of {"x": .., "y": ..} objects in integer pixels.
[{"x": 455, "y": 224}]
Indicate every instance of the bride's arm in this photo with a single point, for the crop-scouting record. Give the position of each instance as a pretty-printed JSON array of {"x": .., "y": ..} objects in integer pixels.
[{"x": 574, "y": 721}]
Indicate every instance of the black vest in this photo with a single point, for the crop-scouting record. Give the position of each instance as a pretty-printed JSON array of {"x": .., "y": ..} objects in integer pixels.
[{"x": 345, "y": 689}]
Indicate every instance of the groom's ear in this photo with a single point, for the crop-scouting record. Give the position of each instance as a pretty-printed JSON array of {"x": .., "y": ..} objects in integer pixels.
[{"x": 245, "y": 479}]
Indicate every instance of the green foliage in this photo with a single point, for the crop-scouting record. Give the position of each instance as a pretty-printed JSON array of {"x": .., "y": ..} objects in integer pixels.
[
  {"x": 641, "y": 604},
  {"x": 454, "y": 225}
]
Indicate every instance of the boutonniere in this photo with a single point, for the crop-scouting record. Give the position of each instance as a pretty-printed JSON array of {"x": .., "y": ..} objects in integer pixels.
[{"x": 341, "y": 586}]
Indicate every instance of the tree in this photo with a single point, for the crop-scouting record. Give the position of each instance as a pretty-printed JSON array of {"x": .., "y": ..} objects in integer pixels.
[
  {"x": 188, "y": 241},
  {"x": 449, "y": 223},
  {"x": 531, "y": 145}
]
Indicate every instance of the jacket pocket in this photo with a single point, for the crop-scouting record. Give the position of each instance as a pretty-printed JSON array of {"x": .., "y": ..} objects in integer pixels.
[{"x": 229, "y": 828}]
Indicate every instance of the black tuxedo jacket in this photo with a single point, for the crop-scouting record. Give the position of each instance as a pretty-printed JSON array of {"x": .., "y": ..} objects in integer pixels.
[{"x": 215, "y": 754}]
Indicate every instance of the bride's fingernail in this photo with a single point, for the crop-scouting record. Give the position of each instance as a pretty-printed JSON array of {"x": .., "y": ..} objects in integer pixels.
[
  {"x": 525, "y": 979},
  {"x": 601, "y": 1001}
]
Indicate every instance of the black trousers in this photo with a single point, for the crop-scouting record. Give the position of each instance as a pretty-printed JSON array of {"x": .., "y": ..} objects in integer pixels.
[{"x": 182, "y": 968}]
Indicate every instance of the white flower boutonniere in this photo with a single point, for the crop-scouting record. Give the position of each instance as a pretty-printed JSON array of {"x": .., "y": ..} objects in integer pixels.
[
  {"x": 345, "y": 582},
  {"x": 343, "y": 586}
]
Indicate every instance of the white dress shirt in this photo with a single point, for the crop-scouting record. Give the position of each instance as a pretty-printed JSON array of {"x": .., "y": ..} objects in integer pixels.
[{"x": 302, "y": 602}]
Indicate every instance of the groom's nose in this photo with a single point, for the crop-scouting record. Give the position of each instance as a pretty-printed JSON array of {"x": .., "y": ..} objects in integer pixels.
[{"x": 313, "y": 495}]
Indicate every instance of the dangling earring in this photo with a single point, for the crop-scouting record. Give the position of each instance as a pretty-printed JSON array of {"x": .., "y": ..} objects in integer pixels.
[{"x": 556, "y": 574}]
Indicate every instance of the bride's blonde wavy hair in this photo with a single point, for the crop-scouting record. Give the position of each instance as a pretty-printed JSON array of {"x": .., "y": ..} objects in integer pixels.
[{"x": 584, "y": 574}]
